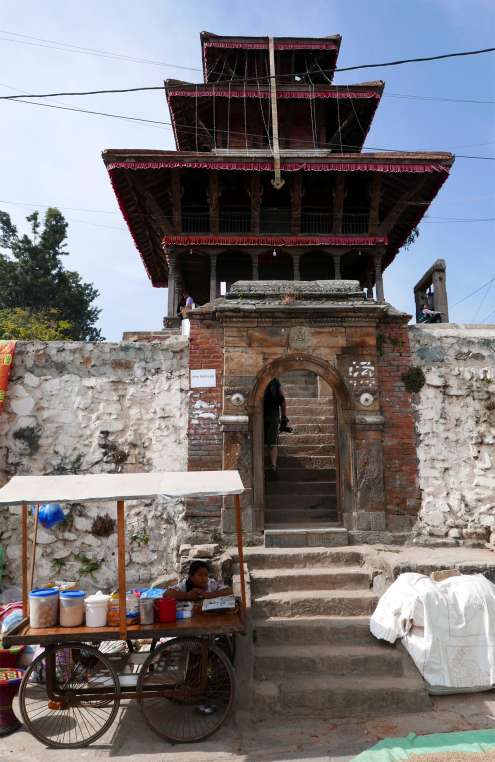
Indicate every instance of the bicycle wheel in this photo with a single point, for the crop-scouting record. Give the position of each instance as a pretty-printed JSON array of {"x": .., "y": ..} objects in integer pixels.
[
  {"x": 186, "y": 689},
  {"x": 69, "y": 696}
]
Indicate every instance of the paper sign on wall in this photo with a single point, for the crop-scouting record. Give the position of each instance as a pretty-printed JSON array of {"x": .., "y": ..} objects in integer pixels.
[{"x": 205, "y": 377}]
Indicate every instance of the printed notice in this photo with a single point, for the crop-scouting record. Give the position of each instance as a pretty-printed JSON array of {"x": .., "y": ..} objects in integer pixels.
[{"x": 203, "y": 378}]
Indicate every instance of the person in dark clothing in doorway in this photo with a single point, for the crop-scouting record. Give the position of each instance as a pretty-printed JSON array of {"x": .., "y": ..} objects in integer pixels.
[{"x": 275, "y": 419}]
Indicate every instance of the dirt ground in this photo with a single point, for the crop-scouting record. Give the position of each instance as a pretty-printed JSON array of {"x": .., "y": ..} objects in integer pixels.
[{"x": 271, "y": 740}]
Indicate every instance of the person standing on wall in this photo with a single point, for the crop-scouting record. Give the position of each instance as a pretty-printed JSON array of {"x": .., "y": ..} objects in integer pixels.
[{"x": 275, "y": 421}]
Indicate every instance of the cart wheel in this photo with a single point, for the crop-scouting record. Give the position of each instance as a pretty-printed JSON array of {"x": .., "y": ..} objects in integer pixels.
[
  {"x": 69, "y": 696},
  {"x": 186, "y": 689}
]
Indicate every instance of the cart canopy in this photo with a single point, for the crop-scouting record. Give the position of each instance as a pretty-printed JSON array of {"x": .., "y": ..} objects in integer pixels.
[{"x": 86, "y": 487}]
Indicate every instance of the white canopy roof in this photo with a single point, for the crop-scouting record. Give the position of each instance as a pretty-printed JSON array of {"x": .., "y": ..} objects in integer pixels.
[{"x": 86, "y": 487}]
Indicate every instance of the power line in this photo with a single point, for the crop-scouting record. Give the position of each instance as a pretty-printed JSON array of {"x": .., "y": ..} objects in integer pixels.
[
  {"x": 56, "y": 206},
  {"x": 155, "y": 122},
  {"x": 473, "y": 293},
  {"x": 267, "y": 77},
  {"x": 69, "y": 48}
]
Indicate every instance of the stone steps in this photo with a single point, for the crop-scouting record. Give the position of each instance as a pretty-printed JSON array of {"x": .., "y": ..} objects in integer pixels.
[
  {"x": 277, "y": 661},
  {"x": 306, "y": 439},
  {"x": 259, "y": 557},
  {"x": 295, "y": 501},
  {"x": 300, "y": 488},
  {"x": 298, "y": 449},
  {"x": 316, "y": 603},
  {"x": 304, "y": 475},
  {"x": 266, "y": 581},
  {"x": 333, "y": 697},
  {"x": 311, "y": 535},
  {"x": 294, "y": 518},
  {"x": 309, "y": 427},
  {"x": 299, "y": 461},
  {"x": 314, "y": 630}
]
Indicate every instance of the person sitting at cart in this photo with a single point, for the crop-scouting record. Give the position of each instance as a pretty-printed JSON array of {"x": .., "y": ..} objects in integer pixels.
[{"x": 197, "y": 585}]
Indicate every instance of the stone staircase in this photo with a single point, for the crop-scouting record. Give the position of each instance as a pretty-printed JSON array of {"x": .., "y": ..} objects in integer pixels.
[
  {"x": 313, "y": 653},
  {"x": 305, "y": 493}
]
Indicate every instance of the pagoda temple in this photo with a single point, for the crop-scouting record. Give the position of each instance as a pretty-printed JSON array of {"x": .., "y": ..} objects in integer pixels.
[
  {"x": 269, "y": 179},
  {"x": 278, "y": 224}
]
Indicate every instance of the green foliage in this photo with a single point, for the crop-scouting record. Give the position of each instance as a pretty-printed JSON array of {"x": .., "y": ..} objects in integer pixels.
[
  {"x": 31, "y": 436},
  {"x": 58, "y": 564},
  {"x": 414, "y": 379},
  {"x": 411, "y": 238},
  {"x": 88, "y": 566},
  {"x": 24, "y": 325},
  {"x": 141, "y": 537},
  {"x": 33, "y": 278}
]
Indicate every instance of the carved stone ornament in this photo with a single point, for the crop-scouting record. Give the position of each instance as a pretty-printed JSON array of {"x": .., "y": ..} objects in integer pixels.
[
  {"x": 237, "y": 399},
  {"x": 366, "y": 399}
]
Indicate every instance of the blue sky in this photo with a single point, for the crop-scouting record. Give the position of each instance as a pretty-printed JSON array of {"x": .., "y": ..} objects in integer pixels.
[{"x": 52, "y": 157}]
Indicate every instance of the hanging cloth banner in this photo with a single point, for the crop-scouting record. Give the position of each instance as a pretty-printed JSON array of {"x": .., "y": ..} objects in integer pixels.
[{"x": 7, "y": 350}]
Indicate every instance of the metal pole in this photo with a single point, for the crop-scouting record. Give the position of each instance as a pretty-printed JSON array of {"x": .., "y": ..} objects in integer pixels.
[{"x": 121, "y": 568}]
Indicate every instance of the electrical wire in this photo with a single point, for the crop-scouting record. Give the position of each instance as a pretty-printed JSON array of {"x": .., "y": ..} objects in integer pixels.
[{"x": 268, "y": 77}]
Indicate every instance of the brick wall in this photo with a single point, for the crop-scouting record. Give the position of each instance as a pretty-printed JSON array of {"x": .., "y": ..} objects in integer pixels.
[
  {"x": 400, "y": 464},
  {"x": 205, "y": 438}
]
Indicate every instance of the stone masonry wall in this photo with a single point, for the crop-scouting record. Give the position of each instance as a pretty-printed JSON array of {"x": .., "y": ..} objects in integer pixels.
[
  {"x": 92, "y": 408},
  {"x": 455, "y": 424}
]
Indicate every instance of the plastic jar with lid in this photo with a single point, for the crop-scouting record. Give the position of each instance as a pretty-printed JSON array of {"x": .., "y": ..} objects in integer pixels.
[
  {"x": 43, "y": 608},
  {"x": 71, "y": 608}
]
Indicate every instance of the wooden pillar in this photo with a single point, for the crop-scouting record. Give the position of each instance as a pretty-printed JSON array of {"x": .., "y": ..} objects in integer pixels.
[
  {"x": 255, "y": 193},
  {"x": 255, "y": 268},
  {"x": 296, "y": 266},
  {"x": 296, "y": 192},
  {"x": 176, "y": 198},
  {"x": 213, "y": 277},
  {"x": 172, "y": 285},
  {"x": 24, "y": 519},
  {"x": 380, "y": 296},
  {"x": 336, "y": 267},
  {"x": 213, "y": 200},
  {"x": 338, "y": 202},
  {"x": 121, "y": 568},
  {"x": 374, "y": 215},
  {"x": 240, "y": 550}
]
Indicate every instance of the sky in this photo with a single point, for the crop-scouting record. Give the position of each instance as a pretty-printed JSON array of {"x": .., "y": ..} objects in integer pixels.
[{"x": 53, "y": 158}]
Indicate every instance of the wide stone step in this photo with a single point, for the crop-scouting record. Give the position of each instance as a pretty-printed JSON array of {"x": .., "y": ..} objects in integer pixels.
[
  {"x": 324, "y": 416},
  {"x": 281, "y": 631},
  {"x": 306, "y": 439},
  {"x": 291, "y": 474},
  {"x": 259, "y": 557},
  {"x": 278, "y": 661},
  {"x": 307, "y": 462},
  {"x": 321, "y": 536},
  {"x": 294, "y": 517},
  {"x": 267, "y": 581},
  {"x": 316, "y": 603},
  {"x": 300, "y": 488},
  {"x": 333, "y": 697},
  {"x": 305, "y": 449},
  {"x": 308, "y": 427},
  {"x": 311, "y": 502}
]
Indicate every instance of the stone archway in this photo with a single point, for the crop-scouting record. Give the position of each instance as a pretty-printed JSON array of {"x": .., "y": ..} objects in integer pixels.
[{"x": 344, "y": 435}]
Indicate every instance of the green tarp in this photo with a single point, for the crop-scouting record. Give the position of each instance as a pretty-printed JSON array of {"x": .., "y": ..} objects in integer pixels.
[{"x": 397, "y": 749}]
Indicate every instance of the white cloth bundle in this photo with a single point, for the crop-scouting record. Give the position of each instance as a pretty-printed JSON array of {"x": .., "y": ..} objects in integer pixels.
[{"x": 447, "y": 627}]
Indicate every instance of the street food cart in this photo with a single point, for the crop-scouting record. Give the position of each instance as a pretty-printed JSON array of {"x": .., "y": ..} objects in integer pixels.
[{"x": 71, "y": 692}]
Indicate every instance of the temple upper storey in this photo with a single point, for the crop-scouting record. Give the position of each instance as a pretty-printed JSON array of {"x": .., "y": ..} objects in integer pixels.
[{"x": 297, "y": 59}]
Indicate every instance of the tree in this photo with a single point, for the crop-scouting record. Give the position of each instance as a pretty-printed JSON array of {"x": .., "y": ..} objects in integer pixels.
[
  {"x": 20, "y": 324},
  {"x": 34, "y": 279}
]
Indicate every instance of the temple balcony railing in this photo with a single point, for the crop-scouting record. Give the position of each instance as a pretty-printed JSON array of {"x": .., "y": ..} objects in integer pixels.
[{"x": 276, "y": 222}]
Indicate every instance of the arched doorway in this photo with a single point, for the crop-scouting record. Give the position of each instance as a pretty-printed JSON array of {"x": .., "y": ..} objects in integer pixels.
[{"x": 340, "y": 406}]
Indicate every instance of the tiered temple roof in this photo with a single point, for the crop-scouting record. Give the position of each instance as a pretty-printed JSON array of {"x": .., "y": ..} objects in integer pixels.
[{"x": 337, "y": 212}]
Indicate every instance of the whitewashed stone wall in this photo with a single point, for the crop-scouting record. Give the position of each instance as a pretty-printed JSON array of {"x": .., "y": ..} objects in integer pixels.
[
  {"x": 455, "y": 422},
  {"x": 93, "y": 408}
]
